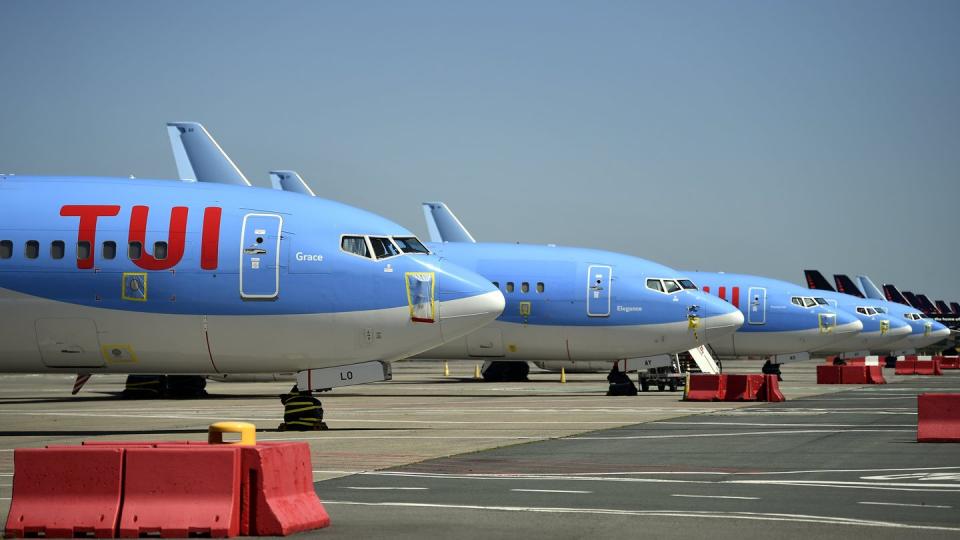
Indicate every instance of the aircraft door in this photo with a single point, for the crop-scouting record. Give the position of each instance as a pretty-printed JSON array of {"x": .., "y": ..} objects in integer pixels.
[
  {"x": 69, "y": 343},
  {"x": 260, "y": 257},
  {"x": 599, "y": 280},
  {"x": 757, "y": 313}
]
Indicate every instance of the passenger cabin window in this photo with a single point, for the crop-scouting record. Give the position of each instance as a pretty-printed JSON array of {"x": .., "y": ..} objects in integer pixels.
[
  {"x": 687, "y": 284},
  {"x": 109, "y": 250},
  {"x": 654, "y": 284},
  {"x": 509, "y": 286},
  {"x": 525, "y": 287},
  {"x": 383, "y": 248},
  {"x": 540, "y": 287},
  {"x": 159, "y": 250},
  {"x": 356, "y": 245},
  {"x": 57, "y": 249},
  {"x": 6, "y": 249},
  {"x": 135, "y": 251},
  {"x": 83, "y": 250},
  {"x": 409, "y": 244},
  {"x": 671, "y": 286},
  {"x": 32, "y": 249}
]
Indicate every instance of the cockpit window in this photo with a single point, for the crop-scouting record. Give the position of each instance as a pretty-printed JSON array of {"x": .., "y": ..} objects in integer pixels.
[
  {"x": 383, "y": 248},
  {"x": 881, "y": 309},
  {"x": 356, "y": 245},
  {"x": 808, "y": 302},
  {"x": 410, "y": 244},
  {"x": 655, "y": 285},
  {"x": 687, "y": 284},
  {"x": 821, "y": 301},
  {"x": 797, "y": 301},
  {"x": 671, "y": 286}
]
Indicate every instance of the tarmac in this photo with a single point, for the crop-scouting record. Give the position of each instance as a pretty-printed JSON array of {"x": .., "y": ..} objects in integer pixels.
[{"x": 432, "y": 456}]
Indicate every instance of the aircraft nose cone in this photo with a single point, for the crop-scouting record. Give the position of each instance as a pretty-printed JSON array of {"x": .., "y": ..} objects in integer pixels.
[
  {"x": 719, "y": 319},
  {"x": 847, "y": 323},
  {"x": 468, "y": 302},
  {"x": 899, "y": 329}
]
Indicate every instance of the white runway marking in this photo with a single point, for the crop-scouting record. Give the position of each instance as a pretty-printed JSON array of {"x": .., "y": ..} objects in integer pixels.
[
  {"x": 550, "y": 491},
  {"x": 388, "y": 488},
  {"x": 740, "y": 434},
  {"x": 904, "y": 504},
  {"x": 716, "y": 497},
  {"x": 754, "y": 516}
]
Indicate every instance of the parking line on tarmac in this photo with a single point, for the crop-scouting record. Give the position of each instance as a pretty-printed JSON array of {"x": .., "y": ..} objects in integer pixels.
[
  {"x": 753, "y": 516},
  {"x": 715, "y": 497},
  {"x": 391, "y": 488},
  {"x": 695, "y": 435},
  {"x": 905, "y": 504},
  {"x": 550, "y": 491}
]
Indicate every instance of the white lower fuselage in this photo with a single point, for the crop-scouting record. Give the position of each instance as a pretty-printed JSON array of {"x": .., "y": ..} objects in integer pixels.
[{"x": 41, "y": 335}]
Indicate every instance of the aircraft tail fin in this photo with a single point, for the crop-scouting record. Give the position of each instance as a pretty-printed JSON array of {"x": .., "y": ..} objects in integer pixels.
[
  {"x": 199, "y": 158},
  {"x": 815, "y": 280},
  {"x": 443, "y": 226},
  {"x": 955, "y": 307},
  {"x": 847, "y": 286},
  {"x": 871, "y": 290},
  {"x": 290, "y": 181},
  {"x": 893, "y": 294},
  {"x": 943, "y": 308},
  {"x": 927, "y": 304},
  {"x": 913, "y": 300}
]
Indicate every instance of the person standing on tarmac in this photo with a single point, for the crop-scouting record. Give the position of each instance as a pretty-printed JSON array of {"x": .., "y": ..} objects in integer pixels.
[{"x": 301, "y": 412}]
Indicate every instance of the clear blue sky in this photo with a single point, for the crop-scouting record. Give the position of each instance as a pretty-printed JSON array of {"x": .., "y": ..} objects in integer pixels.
[{"x": 760, "y": 137}]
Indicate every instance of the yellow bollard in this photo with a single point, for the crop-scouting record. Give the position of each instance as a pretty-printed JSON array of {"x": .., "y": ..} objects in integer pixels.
[
  {"x": 476, "y": 372},
  {"x": 247, "y": 431},
  {"x": 563, "y": 376},
  {"x": 446, "y": 369}
]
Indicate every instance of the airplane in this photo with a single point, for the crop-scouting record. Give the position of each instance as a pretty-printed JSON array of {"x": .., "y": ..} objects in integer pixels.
[
  {"x": 925, "y": 332},
  {"x": 114, "y": 275},
  {"x": 561, "y": 302},
  {"x": 783, "y": 321},
  {"x": 774, "y": 325},
  {"x": 885, "y": 317}
]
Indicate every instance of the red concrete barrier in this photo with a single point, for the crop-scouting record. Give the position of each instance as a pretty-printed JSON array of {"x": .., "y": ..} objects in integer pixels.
[
  {"x": 853, "y": 374},
  {"x": 742, "y": 387},
  {"x": 828, "y": 374},
  {"x": 906, "y": 365},
  {"x": 875, "y": 375},
  {"x": 927, "y": 365},
  {"x": 703, "y": 387},
  {"x": 64, "y": 493},
  {"x": 278, "y": 483},
  {"x": 938, "y": 418},
  {"x": 949, "y": 362},
  {"x": 181, "y": 491},
  {"x": 733, "y": 387},
  {"x": 770, "y": 390}
]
